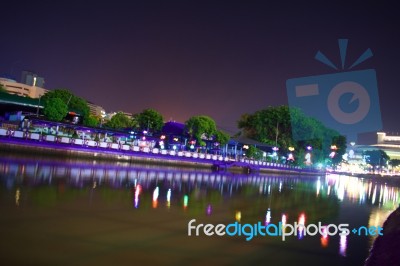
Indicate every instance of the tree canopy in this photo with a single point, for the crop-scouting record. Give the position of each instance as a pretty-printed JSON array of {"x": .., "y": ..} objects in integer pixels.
[
  {"x": 72, "y": 102},
  {"x": 55, "y": 109},
  {"x": 119, "y": 121},
  {"x": 274, "y": 126},
  {"x": 376, "y": 157},
  {"x": 149, "y": 119},
  {"x": 221, "y": 137},
  {"x": 203, "y": 127},
  {"x": 200, "y": 127}
]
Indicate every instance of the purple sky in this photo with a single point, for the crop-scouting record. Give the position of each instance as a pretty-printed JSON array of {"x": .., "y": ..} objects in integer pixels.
[{"x": 217, "y": 58}]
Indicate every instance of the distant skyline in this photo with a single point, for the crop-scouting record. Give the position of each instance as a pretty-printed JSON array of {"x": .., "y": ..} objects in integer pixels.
[{"x": 185, "y": 58}]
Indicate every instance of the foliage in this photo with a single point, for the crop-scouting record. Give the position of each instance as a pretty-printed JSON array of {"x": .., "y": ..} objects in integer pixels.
[
  {"x": 221, "y": 137},
  {"x": 149, "y": 119},
  {"x": 91, "y": 121},
  {"x": 253, "y": 152},
  {"x": 75, "y": 135},
  {"x": 119, "y": 120},
  {"x": 394, "y": 162},
  {"x": 73, "y": 102},
  {"x": 273, "y": 126},
  {"x": 340, "y": 143},
  {"x": 200, "y": 127},
  {"x": 376, "y": 157},
  {"x": 55, "y": 109}
]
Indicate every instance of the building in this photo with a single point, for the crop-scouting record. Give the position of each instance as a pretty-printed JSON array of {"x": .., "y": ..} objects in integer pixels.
[
  {"x": 389, "y": 144},
  {"x": 32, "y": 79},
  {"x": 22, "y": 89},
  {"x": 96, "y": 110}
]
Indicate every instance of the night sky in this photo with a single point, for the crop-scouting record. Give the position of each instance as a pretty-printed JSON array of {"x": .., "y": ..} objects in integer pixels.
[{"x": 216, "y": 58}]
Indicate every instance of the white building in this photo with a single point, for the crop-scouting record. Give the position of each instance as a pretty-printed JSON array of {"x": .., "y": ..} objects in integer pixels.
[
  {"x": 96, "y": 110},
  {"x": 21, "y": 89}
]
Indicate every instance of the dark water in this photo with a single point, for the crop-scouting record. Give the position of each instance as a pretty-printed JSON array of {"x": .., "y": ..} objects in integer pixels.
[{"x": 72, "y": 212}]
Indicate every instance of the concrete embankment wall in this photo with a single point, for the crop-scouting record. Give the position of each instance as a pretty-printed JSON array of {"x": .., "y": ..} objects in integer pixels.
[
  {"x": 98, "y": 156},
  {"x": 65, "y": 151}
]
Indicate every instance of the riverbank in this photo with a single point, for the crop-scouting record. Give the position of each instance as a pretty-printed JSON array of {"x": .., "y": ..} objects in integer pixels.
[
  {"x": 217, "y": 163},
  {"x": 390, "y": 179}
]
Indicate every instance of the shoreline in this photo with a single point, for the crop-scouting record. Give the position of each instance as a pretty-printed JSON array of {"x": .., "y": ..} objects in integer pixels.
[
  {"x": 60, "y": 150},
  {"x": 89, "y": 153}
]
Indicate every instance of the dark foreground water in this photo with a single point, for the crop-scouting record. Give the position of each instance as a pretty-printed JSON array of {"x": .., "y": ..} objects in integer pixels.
[{"x": 71, "y": 212}]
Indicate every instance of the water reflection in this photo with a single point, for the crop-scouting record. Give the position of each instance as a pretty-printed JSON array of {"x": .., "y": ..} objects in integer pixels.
[{"x": 234, "y": 197}]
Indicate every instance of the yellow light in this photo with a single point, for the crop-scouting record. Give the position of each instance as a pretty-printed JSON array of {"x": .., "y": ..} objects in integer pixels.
[{"x": 238, "y": 216}]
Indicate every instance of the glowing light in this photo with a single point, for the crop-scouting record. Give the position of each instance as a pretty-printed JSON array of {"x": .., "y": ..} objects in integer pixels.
[
  {"x": 238, "y": 216},
  {"x": 284, "y": 219},
  {"x": 268, "y": 217},
  {"x": 324, "y": 241},
  {"x": 155, "y": 193},
  {"x": 155, "y": 197},
  {"x": 318, "y": 186},
  {"x": 138, "y": 190},
  {"x": 308, "y": 158},
  {"x": 324, "y": 237},
  {"x": 162, "y": 137},
  {"x": 94, "y": 184},
  {"x": 185, "y": 201},
  {"x": 343, "y": 245},
  {"x": 291, "y": 149},
  {"x": 302, "y": 221},
  {"x": 209, "y": 209},
  {"x": 17, "y": 196},
  {"x": 169, "y": 198}
]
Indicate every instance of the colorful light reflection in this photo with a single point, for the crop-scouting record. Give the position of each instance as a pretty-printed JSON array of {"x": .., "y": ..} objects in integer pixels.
[
  {"x": 302, "y": 221},
  {"x": 138, "y": 190},
  {"x": 268, "y": 217},
  {"x": 169, "y": 198},
  {"x": 185, "y": 201}
]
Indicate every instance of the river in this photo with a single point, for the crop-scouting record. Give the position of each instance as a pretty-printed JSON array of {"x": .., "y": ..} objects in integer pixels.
[{"x": 67, "y": 211}]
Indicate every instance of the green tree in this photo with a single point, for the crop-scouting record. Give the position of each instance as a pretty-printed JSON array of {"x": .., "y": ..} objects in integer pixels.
[
  {"x": 73, "y": 102},
  {"x": 91, "y": 121},
  {"x": 221, "y": 137},
  {"x": 394, "y": 162},
  {"x": 273, "y": 126},
  {"x": 55, "y": 109},
  {"x": 339, "y": 144},
  {"x": 200, "y": 127},
  {"x": 376, "y": 157},
  {"x": 149, "y": 119},
  {"x": 119, "y": 120},
  {"x": 253, "y": 152}
]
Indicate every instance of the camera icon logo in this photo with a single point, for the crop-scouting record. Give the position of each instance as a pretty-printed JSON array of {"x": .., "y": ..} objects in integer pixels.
[{"x": 347, "y": 102}]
